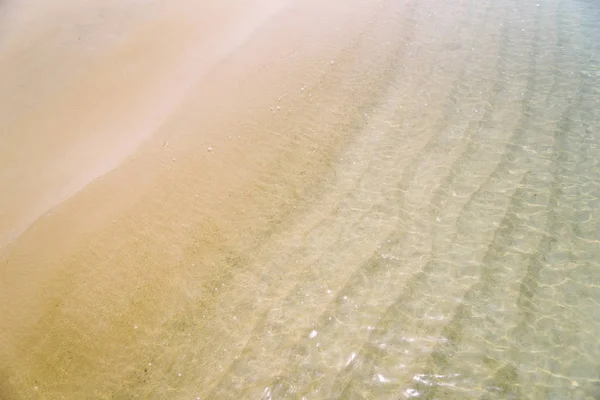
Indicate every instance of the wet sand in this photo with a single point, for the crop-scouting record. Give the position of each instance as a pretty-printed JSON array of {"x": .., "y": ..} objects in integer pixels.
[
  {"x": 299, "y": 200},
  {"x": 156, "y": 149}
]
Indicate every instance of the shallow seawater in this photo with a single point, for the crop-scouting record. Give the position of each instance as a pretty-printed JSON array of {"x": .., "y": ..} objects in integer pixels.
[
  {"x": 449, "y": 250},
  {"x": 457, "y": 252}
]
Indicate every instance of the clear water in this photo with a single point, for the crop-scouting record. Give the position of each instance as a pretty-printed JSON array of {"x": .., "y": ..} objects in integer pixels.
[
  {"x": 450, "y": 251},
  {"x": 457, "y": 252}
]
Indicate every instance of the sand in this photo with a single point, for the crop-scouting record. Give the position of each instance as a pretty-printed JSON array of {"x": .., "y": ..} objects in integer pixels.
[
  {"x": 299, "y": 199},
  {"x": 145, "y": 145}
]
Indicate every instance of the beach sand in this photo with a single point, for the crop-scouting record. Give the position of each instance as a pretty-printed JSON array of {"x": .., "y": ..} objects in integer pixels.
[
  {"x": 299, "y": 199},
  {"x": 147, "y": 149}
]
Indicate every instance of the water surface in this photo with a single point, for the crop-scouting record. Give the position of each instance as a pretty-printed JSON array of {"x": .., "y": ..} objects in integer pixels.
[{"x": 398, "y": 199}]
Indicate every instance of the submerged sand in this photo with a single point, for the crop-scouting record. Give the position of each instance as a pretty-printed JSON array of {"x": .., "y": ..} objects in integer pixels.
[
  {"x": 146, "y": 148},
  {"x": 299, "y": 199}
]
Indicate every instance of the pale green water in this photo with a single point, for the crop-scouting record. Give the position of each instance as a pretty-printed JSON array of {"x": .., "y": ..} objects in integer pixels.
[{"x": 483, "y": 217}]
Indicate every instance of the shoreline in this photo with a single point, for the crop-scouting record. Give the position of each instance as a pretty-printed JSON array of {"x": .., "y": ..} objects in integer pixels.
[
  {"x": 196, "y": 201},
  {"x": 102, "y": 113}
]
